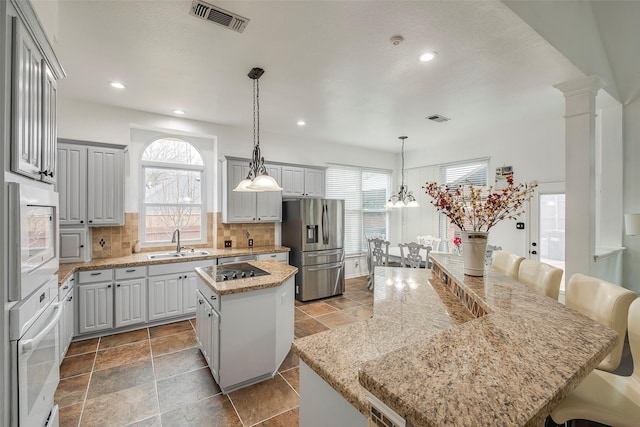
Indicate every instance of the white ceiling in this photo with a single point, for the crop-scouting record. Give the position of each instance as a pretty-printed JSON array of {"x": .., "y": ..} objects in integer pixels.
[{"x": 329, "y": 63}]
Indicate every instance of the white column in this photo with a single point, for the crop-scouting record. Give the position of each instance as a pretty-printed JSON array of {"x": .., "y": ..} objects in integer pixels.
[{"x": 580, "y": 170}]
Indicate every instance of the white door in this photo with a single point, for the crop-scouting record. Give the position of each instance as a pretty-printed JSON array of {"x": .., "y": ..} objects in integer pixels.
[
  {"x": 189, "y": 285},
  {"x": 547, "y": 228}
]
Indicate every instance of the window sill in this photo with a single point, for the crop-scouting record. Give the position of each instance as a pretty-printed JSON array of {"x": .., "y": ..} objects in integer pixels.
[{"x": 605, "y": 253}]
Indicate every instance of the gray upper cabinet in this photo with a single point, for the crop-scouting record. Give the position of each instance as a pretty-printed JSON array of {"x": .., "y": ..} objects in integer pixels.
[
  {"x": 245, "y": 207},
  {"x": 303, "y": 181},
  {"x": 34, "y": 72},
  {"x": 105, "y": 195},
  {"x": 90, "y": 182},
  {"x": 72, "y": 184},
  {"x": 26, "y": 108}
]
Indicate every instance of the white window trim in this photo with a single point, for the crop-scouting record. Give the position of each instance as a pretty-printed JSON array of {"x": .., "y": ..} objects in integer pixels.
[{"x": 173, "y": 166}]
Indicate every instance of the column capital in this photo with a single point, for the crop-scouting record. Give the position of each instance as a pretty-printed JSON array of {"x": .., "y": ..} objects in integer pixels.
[{"x": 582, "y": 85}]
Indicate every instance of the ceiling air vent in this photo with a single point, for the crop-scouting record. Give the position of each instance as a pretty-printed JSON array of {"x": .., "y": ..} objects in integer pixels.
[
  {"x": 438, "y": 118},
  {"x": 219, "y": 16}
]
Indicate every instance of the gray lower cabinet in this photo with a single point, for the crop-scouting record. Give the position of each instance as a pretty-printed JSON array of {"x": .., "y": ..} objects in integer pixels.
[
  {"x": 208, "y": 333},
  {"x": 66, "y": 323},
  {"x": 130, "y": 302},
  {"x": 172, "y": 289},
  {"x": 95, "y": 307}
]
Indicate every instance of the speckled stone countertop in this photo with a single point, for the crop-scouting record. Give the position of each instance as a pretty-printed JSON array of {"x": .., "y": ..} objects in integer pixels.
[
  {"x": 66, "y": 270},
  {"x": 278, "y": 274},
  {"x": 434, "y": 366}
]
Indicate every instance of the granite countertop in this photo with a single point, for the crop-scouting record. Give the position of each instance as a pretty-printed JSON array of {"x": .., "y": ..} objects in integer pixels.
[
  {"x": 278, "y": 274},
  {"x": 510, "y": 364},
  {"x": 66, "y": 270}
]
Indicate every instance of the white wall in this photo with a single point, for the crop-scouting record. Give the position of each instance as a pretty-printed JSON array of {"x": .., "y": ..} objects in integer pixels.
[
  {"x": 534, "y": 149},
  {"x": 100, "y": 123},
  {"x": 631, "y": 130}
]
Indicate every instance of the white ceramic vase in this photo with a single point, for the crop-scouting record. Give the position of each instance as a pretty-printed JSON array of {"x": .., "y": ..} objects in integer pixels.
[{"x": 474, "y": 250}]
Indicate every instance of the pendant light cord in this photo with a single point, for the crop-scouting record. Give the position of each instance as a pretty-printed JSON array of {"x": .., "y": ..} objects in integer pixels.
[{"x": 256, "y": 113}]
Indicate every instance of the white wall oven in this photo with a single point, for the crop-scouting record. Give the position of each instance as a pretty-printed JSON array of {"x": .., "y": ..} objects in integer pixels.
[
  {"x": 35, "y": 357},
  {"x": 33, "y": 238}
]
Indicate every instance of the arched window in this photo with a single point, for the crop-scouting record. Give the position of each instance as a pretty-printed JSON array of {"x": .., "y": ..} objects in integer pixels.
[{"x": 172, "y": 190}]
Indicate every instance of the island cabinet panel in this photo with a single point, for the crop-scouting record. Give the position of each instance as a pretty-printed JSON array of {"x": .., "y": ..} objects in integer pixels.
[
  {"x": 242, "y": 348},
  {"x": 189, "y": 285}
]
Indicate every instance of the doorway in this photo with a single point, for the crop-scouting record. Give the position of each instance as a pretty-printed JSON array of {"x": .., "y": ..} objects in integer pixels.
[{"x": 547, "y": 227}]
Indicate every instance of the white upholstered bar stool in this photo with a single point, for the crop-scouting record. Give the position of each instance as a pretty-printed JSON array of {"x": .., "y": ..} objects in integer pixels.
[
  {"x": 607, "y": 304},
  {"x": 540, "y": 277},
  {"x": 507, "y": 263},
  {"x": 604, "y": 397}
]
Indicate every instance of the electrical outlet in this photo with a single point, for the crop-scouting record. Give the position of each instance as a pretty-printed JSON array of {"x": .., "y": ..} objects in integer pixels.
[
  {"x": 227, "y": 243},
  {"x": 250, "y": 243}
]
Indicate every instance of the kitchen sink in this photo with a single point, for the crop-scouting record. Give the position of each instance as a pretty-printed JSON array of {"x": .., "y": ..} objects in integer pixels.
[{"x": 173, "y": 255}]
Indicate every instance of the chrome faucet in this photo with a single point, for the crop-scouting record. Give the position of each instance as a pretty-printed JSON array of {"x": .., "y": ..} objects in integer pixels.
[{"x": 173, "y": 239}]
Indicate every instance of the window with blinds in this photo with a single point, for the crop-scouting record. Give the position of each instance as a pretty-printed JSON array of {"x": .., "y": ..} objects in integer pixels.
[
  {"x": 365, "y": 192},
  {"x": 474, "y": 172}
]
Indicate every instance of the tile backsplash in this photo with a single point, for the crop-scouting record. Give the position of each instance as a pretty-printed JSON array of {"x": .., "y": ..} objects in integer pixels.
[
  {"x": 263, "y": 234},
  {"x": 114, "y": 242}
]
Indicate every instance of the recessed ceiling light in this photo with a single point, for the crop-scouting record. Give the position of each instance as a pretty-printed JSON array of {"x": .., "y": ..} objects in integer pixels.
[
  {"x": 179, "y": 112},
  {"x": 427, "y": 56},
  {"x": 117, "y": 85},
  {"x": 301, "y": 123}
]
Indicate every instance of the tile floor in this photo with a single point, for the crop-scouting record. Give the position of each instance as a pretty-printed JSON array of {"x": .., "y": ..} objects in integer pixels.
[{"x": 157, "y": 376}]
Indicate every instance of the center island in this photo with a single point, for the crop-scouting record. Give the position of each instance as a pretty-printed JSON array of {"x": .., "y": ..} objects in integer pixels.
[{"x": 443, "y": 349}]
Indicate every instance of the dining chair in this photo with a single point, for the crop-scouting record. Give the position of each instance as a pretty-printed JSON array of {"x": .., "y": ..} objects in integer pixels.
[
  {"x": 489, "y": 255},
  {"x": 378, "y": 256},
  {"x": 607, "y": 304},
  {"x": 507, "y": 263},
  {"x": 541, "y": 277},
  {"x": 412, "y": 258},
  {"x": 604, "y": 397}
]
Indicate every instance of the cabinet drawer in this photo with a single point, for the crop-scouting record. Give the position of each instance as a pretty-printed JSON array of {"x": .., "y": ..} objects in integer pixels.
[
  {"x": 212, "y": 298},
  {"x": 178, "y": 267},
  {"x": 66, "y": 287},
  {"x": 130, "y": 272},
  {"x": 280, "y": 256},
  {"x": 93, "y": 276}
]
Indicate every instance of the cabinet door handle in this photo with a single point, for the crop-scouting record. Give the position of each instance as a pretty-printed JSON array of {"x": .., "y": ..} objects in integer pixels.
[
  {"x": 65, "y": 287},
  {"x": 209, "y": 314},
  {"x": 70, "y": 298},
  {"x": 81, "y": 222},
  {"x": 96, "y": 274},
  {"x": 72, "y": 279},
  {"x": 213, "y": 297},
  {"x": 131, "y": 270},
  {"x": 108, "y": 286},
  {"x": 118, "y": 285},
  {"x": 200, "y": 301},
  {"x": 90, "y": 221}
]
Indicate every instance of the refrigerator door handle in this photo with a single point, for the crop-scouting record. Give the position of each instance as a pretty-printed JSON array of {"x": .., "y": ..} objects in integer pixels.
[
  {"x": 325, "y": 253},
  {"x": 326, "y": 267},
  {"x": 325, "y": 225}
]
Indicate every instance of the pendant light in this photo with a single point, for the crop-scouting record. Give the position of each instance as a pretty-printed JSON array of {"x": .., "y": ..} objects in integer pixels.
[
  {"x": 258, "y": 178},
  {"x": 404, "y": 198}
]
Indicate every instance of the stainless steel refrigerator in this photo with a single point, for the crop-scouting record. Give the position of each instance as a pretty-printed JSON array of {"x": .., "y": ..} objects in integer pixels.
[{"x": 314, "y": 230}]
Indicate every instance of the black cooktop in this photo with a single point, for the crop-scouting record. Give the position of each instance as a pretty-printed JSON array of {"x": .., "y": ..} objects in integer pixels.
[{"x": 239, "y": 270}]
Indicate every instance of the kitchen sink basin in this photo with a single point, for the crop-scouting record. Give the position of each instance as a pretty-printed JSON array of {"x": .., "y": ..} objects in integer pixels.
[{"x": 173, "y": 255}]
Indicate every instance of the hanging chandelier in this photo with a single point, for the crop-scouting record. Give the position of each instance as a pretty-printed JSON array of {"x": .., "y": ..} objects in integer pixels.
[
  {"x": 404, "y": 197},
  {"x": 258, "y": 178}
]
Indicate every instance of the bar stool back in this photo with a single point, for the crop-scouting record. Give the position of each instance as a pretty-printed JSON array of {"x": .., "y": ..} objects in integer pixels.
[{"x": 541, "y": 277}]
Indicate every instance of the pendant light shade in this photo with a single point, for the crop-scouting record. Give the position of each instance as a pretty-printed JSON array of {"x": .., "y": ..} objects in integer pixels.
[
  {"x": 258, "y": 178},
  {"x": 404, "y": 198}
]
